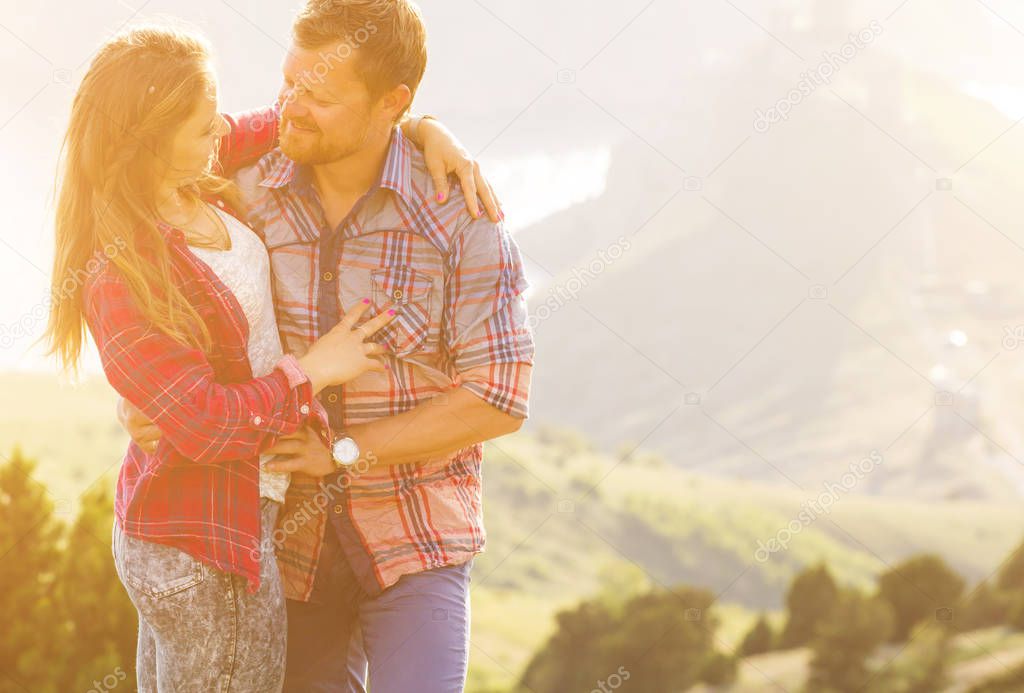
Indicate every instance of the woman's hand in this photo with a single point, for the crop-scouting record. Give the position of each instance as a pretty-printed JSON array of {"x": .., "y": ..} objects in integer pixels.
[
  {"x": 343, "y": 354},
  {"x": 444, "y": 154}
]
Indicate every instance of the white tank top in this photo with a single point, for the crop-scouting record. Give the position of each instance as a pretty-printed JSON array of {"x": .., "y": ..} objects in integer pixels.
[{"x": 245, "y": 271}]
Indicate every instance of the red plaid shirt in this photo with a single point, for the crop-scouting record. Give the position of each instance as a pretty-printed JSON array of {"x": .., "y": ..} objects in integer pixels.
[
  {"x": 459, "y": 284},
  {"x": 199, "y": 491}
]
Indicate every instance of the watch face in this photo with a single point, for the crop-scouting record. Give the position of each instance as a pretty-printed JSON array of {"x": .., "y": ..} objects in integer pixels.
[{"x": 345, "y": 451}]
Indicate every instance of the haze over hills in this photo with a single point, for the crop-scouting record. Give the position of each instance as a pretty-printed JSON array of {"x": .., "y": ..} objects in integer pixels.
[{"x": 816, "y": 294}]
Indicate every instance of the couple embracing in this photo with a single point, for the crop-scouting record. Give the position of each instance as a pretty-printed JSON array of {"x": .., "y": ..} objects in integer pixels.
[{"x": 312, "y": 331}]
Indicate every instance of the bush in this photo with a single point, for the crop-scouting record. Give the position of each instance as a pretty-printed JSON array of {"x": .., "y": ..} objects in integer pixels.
[
  {"x": 917, "y": 589},
  {"x": 662, "y": 638},
  {"x": 811, "y": 597},
  {"x": 1011, "y": 575},
  {"x": 759, "y": 639},
  {"x": 844, "y": 642},
  {"x": 984, "y": 607},
  {"x": 719, "y": 670}
]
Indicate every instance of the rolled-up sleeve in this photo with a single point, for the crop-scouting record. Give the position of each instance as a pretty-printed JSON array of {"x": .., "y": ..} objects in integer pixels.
[
  {"x": 485, "y": 322},
  {"x": 253, "y": 134},
  {"x": 175, "y": 387}
]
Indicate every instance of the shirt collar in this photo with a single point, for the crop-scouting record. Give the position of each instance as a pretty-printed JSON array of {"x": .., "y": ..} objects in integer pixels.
[{"x": 395, "y": 175}]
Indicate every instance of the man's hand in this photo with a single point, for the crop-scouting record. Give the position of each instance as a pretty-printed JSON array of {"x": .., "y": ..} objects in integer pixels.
[
  {"x": 143, "y": 431},
  {"x": 303, "y": 452}
]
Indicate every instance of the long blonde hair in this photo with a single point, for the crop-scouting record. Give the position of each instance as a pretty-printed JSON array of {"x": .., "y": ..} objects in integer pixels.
[{"x": 141, "y": 86}]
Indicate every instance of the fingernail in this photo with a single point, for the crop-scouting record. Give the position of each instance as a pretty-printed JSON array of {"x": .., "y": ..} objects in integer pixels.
[
  {"x": 366, "y": 300},
  {"x": 391, "y": 312},
  {"x": 440, "y": 197}
]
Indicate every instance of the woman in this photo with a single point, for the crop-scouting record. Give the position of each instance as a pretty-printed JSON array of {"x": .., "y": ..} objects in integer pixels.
[{"x": 176, "y": 292}]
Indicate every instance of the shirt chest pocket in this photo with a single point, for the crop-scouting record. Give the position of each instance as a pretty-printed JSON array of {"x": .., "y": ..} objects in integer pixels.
[{"x": 410, "y": 292}]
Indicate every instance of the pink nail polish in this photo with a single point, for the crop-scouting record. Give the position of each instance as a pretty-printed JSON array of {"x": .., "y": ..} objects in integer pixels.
[
  {"x": 391, "y": 312},
  {"x": 440, "y": 197},
  {"x": 366, "y": 300}
]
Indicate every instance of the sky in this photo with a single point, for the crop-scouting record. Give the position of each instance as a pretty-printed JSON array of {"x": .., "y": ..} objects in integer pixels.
[{"x": 539, "y": 92}]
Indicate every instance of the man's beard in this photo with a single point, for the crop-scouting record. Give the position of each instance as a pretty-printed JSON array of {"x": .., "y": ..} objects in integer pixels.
[{"x": 313, "y": 148}]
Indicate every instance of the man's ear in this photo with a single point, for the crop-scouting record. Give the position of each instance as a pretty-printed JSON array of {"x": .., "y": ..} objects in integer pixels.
[{"x": 394, "y": 102}]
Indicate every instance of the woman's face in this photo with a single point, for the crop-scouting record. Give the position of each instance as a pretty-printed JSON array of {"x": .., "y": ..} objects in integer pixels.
[{"x": 194, "y": 147}]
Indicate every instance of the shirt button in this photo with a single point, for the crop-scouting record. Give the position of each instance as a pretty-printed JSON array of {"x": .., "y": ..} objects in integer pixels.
[
  {"x": 328, "y": 276},
  {"x": 397, "y": 295},
  {"x": 339, "y": 509},
  {"x": 304, "y": 409},
  {"x": 332, "y": 398},
  {"x": 257, "y": 420}
]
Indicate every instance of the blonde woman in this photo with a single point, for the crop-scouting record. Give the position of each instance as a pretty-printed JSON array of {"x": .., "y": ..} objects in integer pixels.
[{"x": 175, "y": 290}]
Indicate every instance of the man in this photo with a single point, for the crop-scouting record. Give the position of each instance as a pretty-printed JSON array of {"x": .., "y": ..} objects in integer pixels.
[{"x": 378, "y": 534}]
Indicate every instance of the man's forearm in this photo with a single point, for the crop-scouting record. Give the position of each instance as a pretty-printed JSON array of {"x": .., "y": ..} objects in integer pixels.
[{"x": 436, "y": 428}]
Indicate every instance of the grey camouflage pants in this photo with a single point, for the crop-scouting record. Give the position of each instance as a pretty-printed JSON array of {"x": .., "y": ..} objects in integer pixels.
[{"x": 199, "y": 628}]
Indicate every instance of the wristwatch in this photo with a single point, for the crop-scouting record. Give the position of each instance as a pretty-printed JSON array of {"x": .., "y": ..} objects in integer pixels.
[{"x": 344, "y": 450}]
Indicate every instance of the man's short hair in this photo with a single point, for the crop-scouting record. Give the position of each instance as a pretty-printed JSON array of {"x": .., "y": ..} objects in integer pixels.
[{"x": 386, "y": 38}]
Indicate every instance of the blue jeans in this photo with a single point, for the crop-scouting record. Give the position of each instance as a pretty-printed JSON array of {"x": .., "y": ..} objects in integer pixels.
[
  {"x": 414, "y": 636},
  {"x": 199, "y": 628}
]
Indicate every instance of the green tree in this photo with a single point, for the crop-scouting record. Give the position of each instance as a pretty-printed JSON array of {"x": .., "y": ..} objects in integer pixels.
[
  {"x": 809, "y": 601},
  {"x": 103, "y": 621},
  {"x": 1011, "y": 575},
  {"x": 719, "y": 669},
  {"x": 661, "y": 640},
  {"x": 931, "y": 658},
  {"x": 664, "y": 639},
  {"x": 844, "y": 641},
  {"x": 917, "y": 589},
  {"x": 573, "y": 653},
  {"x": 985, "y": 606},
  {"x": 32, "y": 638},
  {"x": 759, "y": 639},
  {"x": 1015, "y": 611}
]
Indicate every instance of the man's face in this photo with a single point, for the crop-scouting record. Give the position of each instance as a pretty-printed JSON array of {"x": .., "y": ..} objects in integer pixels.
[{"x": 327, "y": 113}]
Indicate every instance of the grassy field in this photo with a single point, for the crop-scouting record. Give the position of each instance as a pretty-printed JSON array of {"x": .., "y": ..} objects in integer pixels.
[{"x": 567, "y": 522}]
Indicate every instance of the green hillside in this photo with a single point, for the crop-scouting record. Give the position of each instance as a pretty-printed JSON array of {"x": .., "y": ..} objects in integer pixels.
[{"x": 566, "y": 521}]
